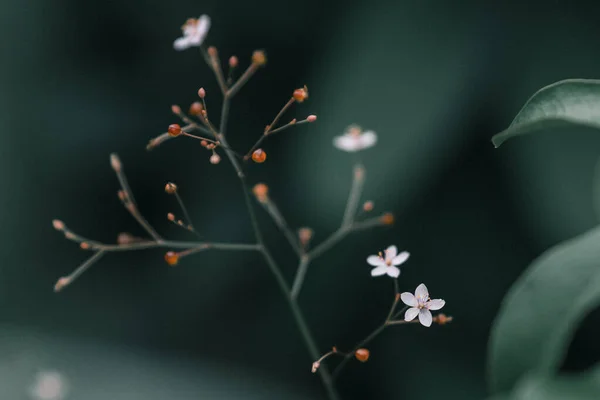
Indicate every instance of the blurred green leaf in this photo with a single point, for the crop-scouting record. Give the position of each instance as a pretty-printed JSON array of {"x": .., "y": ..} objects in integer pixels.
[
  {"x": 564, "y": 103},
  {"x": 542, "y": 310},
  {"x": 585, "y": 386}
]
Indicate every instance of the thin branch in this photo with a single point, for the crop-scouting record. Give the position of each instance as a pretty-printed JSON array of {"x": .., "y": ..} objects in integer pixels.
[
  {"x": 354, "y": 196},
  {"x": 279, "y": 114},
  {"x": 270, "y": 133},
  {"x": 300, "y": 275},
  {"x": 328, "y": 243},
  {"x": 242, "y": 80},
  {"x": 129, "y": 200},
  {"x": 67, "y": 280},
  {"x": 274, "y": 212}
]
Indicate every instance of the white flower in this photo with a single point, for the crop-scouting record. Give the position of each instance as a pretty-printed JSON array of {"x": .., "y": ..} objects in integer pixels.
[
  {"x": 420, "y": 304},
  {"x": 354, "y": 139},
  {"x": 388, "y": 264},
  {"x": 49, "y": 385},
  {"x": 194, "y": 33}
]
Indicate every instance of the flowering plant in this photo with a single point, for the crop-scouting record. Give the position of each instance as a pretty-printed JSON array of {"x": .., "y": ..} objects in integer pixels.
[{"x": 198, "y": 124}]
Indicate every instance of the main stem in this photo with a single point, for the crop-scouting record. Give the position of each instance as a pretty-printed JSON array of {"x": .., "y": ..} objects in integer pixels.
[{"x": 305, "y": 332}]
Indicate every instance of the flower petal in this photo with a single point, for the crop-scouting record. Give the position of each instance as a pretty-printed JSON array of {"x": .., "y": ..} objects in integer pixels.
[
  {"x": 394, "y": 272},
  {"x": 391, "y": 252},
  {"x": 422, "y": 292},
  {"x": 425, "y": 317},
  {"x": 346, "y": 143},
  {"x": 375, "y": 261},
  {"x": 411, "y": 313},
  {"x": 367, "y": 139},
  {"x": 401, "y": 258},
  {"x": 381, "y": 270},
  {"x": 409, "y": 299},
  {"x": 435, "y": 304},
  {"x": 181, "y": 43}
]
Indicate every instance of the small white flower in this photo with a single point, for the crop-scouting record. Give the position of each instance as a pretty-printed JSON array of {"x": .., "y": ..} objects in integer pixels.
[
  {"x": 194, "y": 33},
  {"x": 354, "y": 139},
  {"x": 388, "y": 264},
  {"x": 49, "y": 385},
  {"x": 420, "y": 304}
]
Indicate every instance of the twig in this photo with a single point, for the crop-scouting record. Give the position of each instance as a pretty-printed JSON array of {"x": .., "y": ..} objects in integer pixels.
[
  {"x": 129, "y": 200},
  {"x": 242, "y": 80},
  {"x": 300, "y": 274},
  {"x": 354, "y": 196},
  {"x": 274, "y": 212}
]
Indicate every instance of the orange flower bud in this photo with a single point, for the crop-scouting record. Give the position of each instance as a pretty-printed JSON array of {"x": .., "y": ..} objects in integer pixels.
[
  {"x": 362, "y": 355},
  {"x": 300, "y": 94},
  {"x": 170, "y": 188},
  {"x": 171, "y": 217},
  {"x": 172, "y": 258},
  {"x": 442, "y": 319},
  {"x": 387, "y": 219},
  {"x": 261, "y": 191},
  {"x": 175, "y": 109},
  {"x": 259, "y": 58},
  {"x": 259, "y": 156},
  {"x": 174, "y": 130},
  {"x": 196, "y": 108}
]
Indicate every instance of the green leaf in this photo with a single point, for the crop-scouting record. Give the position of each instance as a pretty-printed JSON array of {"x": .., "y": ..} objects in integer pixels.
[
  {"x": 562, "y": 104},
  {"x": 585, "y": 386},
  {"x": 541, "y": 311}
]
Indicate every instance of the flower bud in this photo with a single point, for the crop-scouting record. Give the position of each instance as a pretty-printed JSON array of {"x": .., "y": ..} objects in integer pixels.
[
  {"x": 315, "y": 366},
  {"x": 170, "y": 188},
  {"x": 368, "y": 206},
  {"x": 215, "y": 159},
  {"x": 311, "y": 118},
  {"x": 175, "y": 109},
  {"x": 362, "y": 355},
  {"x": 174, "y": 130},
  {"x": 259, "y": 58},
  {"x": 201, "y": 93},
  {"x": 61, "y": 283},
  {"x": 261, "y": 192},
  {"x": 171, "y": 217},
  {"x": 171, "y": 258},
  {"x": 196, "y": 108},
  {"x": 387, "y": 219},
  {"x": 300, "y": 94},
  {"x": 259, "y": 156},
  {"x": 58, "y": 224},
  {"x": 233, "y": 62}
]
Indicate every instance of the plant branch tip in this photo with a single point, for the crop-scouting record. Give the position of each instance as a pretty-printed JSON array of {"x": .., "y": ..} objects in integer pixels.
[{"x": 115, "y": 162}]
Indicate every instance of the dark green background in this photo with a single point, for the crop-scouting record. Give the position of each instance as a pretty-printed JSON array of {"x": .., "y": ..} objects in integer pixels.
[{"x": 435, "y": 79}]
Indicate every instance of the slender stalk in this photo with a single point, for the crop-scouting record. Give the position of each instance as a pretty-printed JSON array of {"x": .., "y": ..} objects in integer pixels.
[
  {"x": 388, "y": 321},
  {"x": 354, "y": 196},
  {"x": 274, "y": 212},
  {"x": 270, "y": 133},
  {"x": 129, "y": 200},
  {"x": 224, "y": 114},
  {"x": 350, "y": 354},
  {"x": 328, "y": 243},
  {"x": 242, "y": 80},
  {"x": 299, "y": 279},
  {"x": 279, "y": 114}
]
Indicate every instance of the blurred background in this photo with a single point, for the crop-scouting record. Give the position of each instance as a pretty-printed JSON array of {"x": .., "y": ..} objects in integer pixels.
[{"x": 435, "y": 80}]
